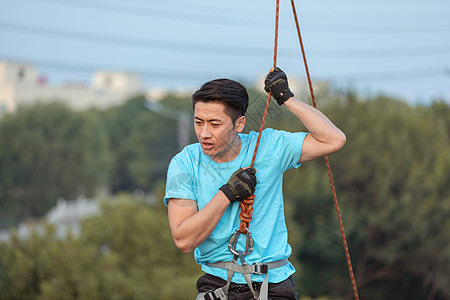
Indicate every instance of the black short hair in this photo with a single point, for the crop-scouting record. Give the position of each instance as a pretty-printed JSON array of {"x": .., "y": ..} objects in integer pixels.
[{"x": 229, "y": 92}]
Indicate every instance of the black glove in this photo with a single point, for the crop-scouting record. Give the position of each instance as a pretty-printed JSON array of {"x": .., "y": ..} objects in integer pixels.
[
  {"x": 276, "y": 83},
  {"x": 241, "y": 185}
]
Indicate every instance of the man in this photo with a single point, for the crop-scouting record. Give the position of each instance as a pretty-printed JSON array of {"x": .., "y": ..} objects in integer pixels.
[{"x": 207, "y": 180}]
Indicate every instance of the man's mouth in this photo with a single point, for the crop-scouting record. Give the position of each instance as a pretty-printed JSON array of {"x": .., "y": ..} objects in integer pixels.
[{"x": 207, "y": 145}]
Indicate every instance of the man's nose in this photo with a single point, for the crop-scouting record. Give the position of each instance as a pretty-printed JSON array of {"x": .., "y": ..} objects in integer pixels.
[{"x": 206, "y": 132}]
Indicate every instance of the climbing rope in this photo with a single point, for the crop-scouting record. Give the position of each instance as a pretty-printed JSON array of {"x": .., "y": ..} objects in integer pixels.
[
  {"x": 247, "y": 204},
  {"x": 327, "y": 162}
]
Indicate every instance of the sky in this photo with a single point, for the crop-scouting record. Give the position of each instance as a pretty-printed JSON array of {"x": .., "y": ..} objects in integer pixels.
[{"x": 395, "y": 48}]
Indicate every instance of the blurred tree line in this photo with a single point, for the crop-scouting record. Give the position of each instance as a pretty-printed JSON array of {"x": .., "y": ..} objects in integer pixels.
[
  {"x": 125, "y": 253},
  {"x": 392, "y": 179}
]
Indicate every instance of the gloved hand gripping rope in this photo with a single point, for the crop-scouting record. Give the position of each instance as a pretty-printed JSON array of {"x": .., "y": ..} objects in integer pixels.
[{"x": 240, "y": 187}]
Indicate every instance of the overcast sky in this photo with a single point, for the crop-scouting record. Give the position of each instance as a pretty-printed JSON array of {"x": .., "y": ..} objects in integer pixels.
[{"x": 399, "y": 48}]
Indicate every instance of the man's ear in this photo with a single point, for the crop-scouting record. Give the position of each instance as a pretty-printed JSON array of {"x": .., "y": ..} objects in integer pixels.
[{"x": 239, "y": 124}]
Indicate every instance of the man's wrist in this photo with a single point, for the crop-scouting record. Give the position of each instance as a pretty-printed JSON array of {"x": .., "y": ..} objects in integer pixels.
[
  {"x": 228, "y": 192},
  {"x": 223, "y": 198},
  {"x": 285, "y": 97}
]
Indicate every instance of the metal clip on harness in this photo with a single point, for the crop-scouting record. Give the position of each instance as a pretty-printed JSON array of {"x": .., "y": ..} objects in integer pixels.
[{"x": 234, "y": 239}]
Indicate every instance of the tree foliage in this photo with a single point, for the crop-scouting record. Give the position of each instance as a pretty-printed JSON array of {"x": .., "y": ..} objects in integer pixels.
[
  {"x": 125, "y": 253},
  {"x": 393, "y": 179},
  {"x": 143, "y": 142},
  {"x": 49, "y": 151}
]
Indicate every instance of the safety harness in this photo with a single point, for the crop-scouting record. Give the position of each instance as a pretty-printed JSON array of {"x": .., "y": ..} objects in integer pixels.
[{"x": 244, "y": 268}]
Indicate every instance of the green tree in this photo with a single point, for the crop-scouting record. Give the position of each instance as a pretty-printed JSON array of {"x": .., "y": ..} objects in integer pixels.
[
  {"x": 143, "y": 143},
  {"x": 138, "y": 239},
  {"x": 392, "y": 179},
  {"x": 44, "y": 266},
  {"x": 125, "y": 253},
  {"x": 48, "y": 151}
]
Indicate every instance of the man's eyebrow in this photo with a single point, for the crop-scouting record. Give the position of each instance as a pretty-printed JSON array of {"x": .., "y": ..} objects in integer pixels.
[{"x": 209, "y": 120}]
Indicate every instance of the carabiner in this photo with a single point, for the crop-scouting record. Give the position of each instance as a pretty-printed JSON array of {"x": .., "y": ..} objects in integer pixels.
[{"x": 234, "y": 239}]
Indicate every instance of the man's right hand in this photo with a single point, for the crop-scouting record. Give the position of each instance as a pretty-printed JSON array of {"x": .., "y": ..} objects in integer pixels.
[
  {"x": 241, "y": 185},
  {"x": 276, "y": 83}
]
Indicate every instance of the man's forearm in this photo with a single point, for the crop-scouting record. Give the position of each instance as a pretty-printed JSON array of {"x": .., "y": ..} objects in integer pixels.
[{"x": 190, "y": 229}]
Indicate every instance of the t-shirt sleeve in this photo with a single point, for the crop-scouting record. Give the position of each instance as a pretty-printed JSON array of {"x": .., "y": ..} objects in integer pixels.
[
  {"x": 179, "y": 183},
  {"x": 288, "y": 148}
]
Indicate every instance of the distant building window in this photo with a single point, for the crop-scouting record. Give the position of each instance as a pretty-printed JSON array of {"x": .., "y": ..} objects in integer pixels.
[
  {"x": 2, "y": 108},
  {"x": 21, "y": 74}
]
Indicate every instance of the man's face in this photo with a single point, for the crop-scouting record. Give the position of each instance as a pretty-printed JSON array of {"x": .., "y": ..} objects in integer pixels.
[{"x": 215, "y": 130}]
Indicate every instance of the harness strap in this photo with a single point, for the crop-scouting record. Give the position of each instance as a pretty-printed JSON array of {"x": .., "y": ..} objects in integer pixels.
[
  {"x": 257, "y": 268},
  {"x": 246, "y": 270}
]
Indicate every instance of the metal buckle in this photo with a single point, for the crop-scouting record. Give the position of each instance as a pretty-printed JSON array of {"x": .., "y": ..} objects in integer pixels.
[
  {"x": 217, "y": 294},
  {"x": 234, "y": 239},
  {"x": 261, "y": 268}
]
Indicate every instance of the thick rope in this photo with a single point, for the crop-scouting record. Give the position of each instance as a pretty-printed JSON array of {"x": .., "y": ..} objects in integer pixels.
[
  {"x": 333, "y": 190},
  {"x": 247, "y": 204}
]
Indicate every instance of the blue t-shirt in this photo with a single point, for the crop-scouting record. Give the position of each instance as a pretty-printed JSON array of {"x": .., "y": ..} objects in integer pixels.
[{"x": 194, "y": 175}]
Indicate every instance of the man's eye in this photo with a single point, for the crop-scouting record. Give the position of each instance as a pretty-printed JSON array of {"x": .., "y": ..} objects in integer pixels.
[{"x": 215, "y": 124}]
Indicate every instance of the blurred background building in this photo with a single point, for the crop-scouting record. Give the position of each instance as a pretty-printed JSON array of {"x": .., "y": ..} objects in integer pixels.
[
  {"x": 21, "y": 83},
  {"x": 65, "y": 216}
]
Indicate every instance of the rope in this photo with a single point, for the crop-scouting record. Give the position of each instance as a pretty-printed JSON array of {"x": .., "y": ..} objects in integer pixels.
[
  {"x": 247, "y": 204},
  {"x": 327, "y": 162}
]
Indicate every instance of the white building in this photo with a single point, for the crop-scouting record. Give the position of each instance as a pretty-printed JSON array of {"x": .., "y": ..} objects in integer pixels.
[
  {"x": 21, "y": 84},
  {"x": 65, "y": 216}
]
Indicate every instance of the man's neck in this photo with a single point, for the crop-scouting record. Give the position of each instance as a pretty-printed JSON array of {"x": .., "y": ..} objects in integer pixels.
[{"x": 231, "y": 153}]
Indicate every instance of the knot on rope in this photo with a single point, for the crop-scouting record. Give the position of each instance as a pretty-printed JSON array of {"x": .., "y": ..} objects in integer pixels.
[{"x": 246, "y": 214}]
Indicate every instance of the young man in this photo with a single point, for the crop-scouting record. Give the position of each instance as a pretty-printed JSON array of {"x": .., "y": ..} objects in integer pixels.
[{"x": 207, "y": 180}]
